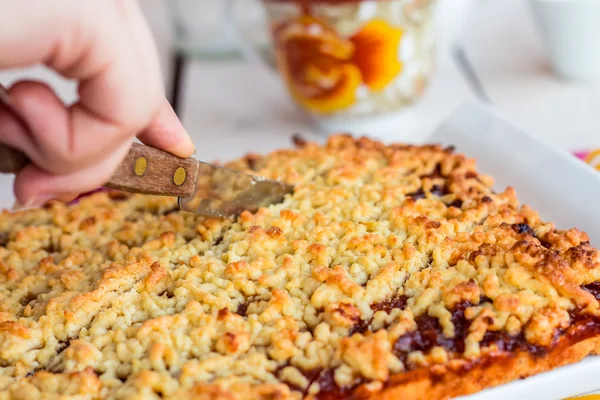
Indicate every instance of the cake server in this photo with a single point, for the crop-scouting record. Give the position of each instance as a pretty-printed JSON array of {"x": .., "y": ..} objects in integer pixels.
[{"x": 200, "y": 187}]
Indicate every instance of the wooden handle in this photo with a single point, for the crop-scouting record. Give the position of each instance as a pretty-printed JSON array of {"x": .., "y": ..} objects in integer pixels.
[
  {"x": 151, "y": 171},
  {"x": 144, "y": 170}
]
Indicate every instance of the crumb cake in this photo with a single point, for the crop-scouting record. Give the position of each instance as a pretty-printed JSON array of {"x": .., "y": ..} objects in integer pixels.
[{"x": 391, "y": 272}]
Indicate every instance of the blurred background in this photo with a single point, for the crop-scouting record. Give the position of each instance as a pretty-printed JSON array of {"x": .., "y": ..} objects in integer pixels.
[{"x": 507, "y": 53}]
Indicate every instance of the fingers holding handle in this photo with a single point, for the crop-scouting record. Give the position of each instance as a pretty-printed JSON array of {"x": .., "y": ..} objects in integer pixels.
[{"x": 107, "y": 48}]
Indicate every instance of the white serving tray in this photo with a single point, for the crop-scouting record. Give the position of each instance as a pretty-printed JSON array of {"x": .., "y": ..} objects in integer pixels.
[{"x": 562, "y": 188}]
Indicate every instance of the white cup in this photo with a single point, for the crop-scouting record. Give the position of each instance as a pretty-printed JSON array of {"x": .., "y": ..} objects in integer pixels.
[{"x": 571, "y": 31}]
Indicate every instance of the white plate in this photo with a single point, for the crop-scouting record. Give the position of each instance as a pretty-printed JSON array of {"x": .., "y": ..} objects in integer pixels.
[
  {"x": 562, "y": 188},
  {"x": 572, "y": 380}
]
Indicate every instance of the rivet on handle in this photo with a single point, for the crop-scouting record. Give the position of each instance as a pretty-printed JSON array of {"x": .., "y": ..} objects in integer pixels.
[
  {"x": 179, "y": 176},
  {"x": 151, "y": 171},
  {"x": 140, "y": 166}
]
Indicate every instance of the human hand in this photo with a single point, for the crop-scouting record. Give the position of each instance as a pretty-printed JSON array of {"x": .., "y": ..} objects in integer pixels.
[{"x": 106, "y": 46}]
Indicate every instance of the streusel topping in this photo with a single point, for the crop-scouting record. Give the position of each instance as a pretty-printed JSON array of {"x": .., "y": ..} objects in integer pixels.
[{"x": 385, "y": 259}]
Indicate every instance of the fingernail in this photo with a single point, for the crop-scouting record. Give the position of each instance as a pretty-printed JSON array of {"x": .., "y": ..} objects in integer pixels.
[
  {"x": 18, "y": 206},
  {"x": 23, "y": 207},
  {"x": 189, "y": 141},
  {"x": 33, "y": 202}
]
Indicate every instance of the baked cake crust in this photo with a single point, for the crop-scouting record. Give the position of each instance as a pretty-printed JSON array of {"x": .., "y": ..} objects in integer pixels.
[{"x": 391, "y": 272}]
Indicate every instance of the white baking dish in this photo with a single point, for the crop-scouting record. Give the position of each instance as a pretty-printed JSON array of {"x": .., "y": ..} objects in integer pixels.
[{"x": 562, "y": 188}]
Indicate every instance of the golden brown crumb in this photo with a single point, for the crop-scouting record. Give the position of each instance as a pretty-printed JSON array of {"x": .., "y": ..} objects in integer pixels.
[{"x": 388, "y": 268}]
